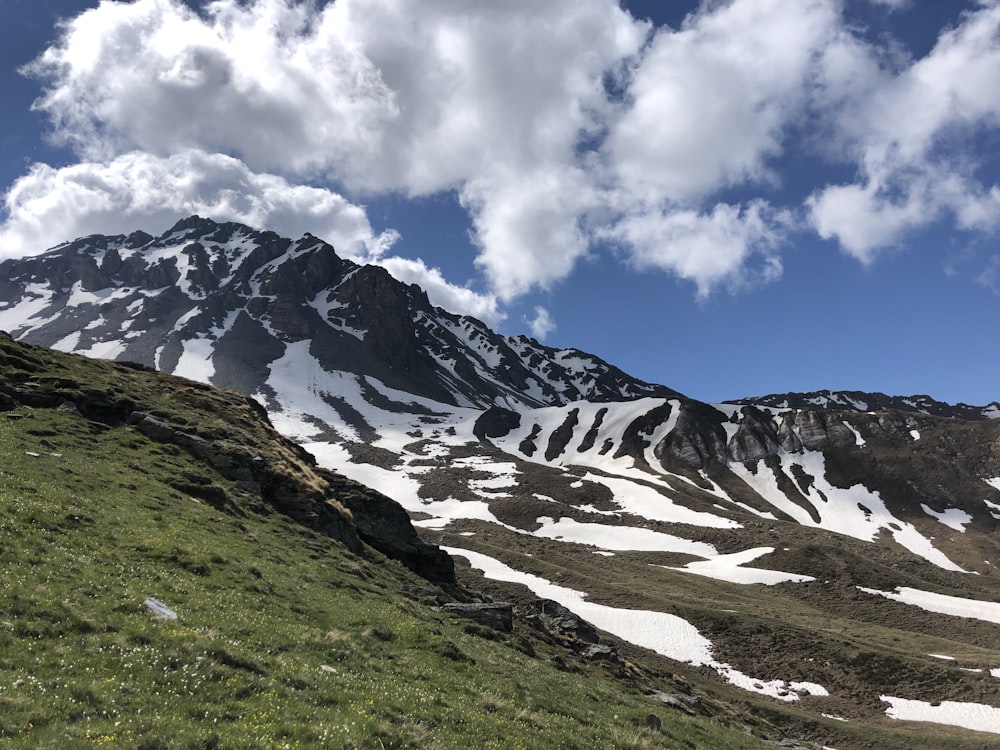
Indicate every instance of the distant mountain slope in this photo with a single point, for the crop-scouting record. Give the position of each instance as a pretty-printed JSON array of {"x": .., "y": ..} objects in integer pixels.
[{"x": 861, "y": 401}]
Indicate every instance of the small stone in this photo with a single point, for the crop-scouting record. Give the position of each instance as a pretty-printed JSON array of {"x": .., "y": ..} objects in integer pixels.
[{"x": 159, "y": 610}]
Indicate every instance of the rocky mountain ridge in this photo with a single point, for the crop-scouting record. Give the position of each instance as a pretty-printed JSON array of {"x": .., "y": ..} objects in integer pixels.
[
  {"x": 862, "y": 401},
  {"x": 232, "y": 295}
]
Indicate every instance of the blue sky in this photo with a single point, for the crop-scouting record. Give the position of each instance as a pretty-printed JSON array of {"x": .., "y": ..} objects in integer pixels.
[{"x": 730, "y": 198}]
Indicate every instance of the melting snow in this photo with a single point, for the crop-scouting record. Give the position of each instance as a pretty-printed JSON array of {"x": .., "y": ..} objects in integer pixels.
[
  {"x": 619, "y": 537},
  {"x": 642, "y": 500},
  {"x": 666, "y": 634},
  {"x": 79, "y": 296},
  {"x": 975, "y": 716},
  {"x": 663, "y": 633},
  {"x": 954, "y": 518},
  {"x": 915, "y": 434},
  {"x": 942, "y": 603},
  {"x": 21, "y": 317},
  {"x": 855, "y": 511},
  {"x": 67, "y": 343},
  {"x": 729, "y": 568},
  {"x": 196, "y": 360},
  {"x": 858, "y": 440}
]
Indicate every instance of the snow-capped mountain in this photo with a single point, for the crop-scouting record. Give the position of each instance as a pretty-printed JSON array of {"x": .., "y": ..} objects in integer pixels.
[
  {"x": 231, "y": 305},
  {"x": 644, "y": 511},
  {"x": 864, "y": 402}
]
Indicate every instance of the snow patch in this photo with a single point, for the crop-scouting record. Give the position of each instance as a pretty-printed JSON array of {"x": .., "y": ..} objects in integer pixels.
[
  {"x": 647, "y": 502},
  {"x": 976, "y": 716},
  {"x": 855, "y": 511},
  {"x": 952, "y": 517},
  {"x": 619, "y": 538},
  {"x": 730, "y": 568},
  {"x": 942, "y": 603},
  {"x": 666, "y": 634},
  {"x": 858, "y": 440}
]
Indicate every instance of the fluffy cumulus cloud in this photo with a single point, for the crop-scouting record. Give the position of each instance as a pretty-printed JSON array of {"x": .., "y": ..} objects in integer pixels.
[
  {"x": 709, "y": 102},
  {"x": 541, "y": 324},
  {"x": 911, "y": 133},
  {"x": 140, "y": 191},
  {"x": 562, "y": 127},
  {"x": 442, "y": 293},
  {"x": 721, "y": 246}
]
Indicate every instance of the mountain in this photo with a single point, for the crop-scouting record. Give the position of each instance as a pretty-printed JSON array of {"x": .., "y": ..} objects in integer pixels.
[
  {"x": 824, "y": 560},
  {"x": 865, "y": 402}
]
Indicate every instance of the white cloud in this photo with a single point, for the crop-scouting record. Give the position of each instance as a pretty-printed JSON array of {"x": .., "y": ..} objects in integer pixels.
[
  {"x": 490, "y": 99},
  {"x": 542, "y": 324},
  {"x": 910, "y": 133},
  {"x": 893, "y": 5},
  {"x": 456, "y": 299},
  {"x": 709, "y": 102},
  {"x": 557, "y": 124},
  {"x": 270, "y": 81},
  {"x": 708, "y": 249},
  {"x": 528, "y": 225},
  {"x": 48, "y": 206}
]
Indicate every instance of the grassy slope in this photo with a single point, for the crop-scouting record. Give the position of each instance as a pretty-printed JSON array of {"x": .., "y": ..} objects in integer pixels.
[{"x": 284, "y": 638}]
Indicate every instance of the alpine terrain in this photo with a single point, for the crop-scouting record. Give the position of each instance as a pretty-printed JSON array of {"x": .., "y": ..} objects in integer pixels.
[{"x": 825, "y": 563}]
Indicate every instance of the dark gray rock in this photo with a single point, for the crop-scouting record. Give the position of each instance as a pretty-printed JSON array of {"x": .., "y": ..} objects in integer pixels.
[{"x": 496, "y": 615}]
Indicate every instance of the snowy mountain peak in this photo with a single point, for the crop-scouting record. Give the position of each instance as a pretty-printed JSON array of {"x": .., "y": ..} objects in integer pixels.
[
  {"x": 860, "y": 401},
  {"x": 223, "y": 302}
]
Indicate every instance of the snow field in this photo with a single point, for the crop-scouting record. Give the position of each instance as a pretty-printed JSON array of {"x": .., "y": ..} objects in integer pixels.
[
  {"x": 730, "y": 568},
  {"x": 842, "y": 510},
  {"x": 941, "y": 603},
  {"x": 976, "y": 716}
]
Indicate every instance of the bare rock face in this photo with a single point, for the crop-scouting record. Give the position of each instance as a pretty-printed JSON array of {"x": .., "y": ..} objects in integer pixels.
[
  {"x": 756, "y": 438},
  {"x": 495, "y": 615},
  {"x": 496, "y": 422},
  {"x": 819, "y": 433},
  {"x": 383, "y": 524},
  {"x": 697, "y": 439}
]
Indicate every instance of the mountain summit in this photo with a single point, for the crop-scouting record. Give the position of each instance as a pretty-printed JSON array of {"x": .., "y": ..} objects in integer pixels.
[
  {"x": 831, "y": 553},
  {"x": 229, "y": 304}
]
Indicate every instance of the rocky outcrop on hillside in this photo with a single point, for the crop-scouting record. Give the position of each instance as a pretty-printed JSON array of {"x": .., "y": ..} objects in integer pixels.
[{"x": 263, "y": 465}]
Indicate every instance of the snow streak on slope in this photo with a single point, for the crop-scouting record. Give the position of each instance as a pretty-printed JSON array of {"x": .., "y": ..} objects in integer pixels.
[
  {"x": 855, "y": 511},
  {"x": 732, "y": 568},
  {"x": 976, "y": 716},
  {"x": 646, "y": 502},
  {"x": 666, "y": 634},
  {"x": 619, "y": 537}
]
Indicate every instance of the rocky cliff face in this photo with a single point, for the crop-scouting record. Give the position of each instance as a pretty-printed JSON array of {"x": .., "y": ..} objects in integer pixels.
[{"x": 864, "y": 402}]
